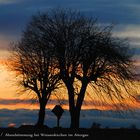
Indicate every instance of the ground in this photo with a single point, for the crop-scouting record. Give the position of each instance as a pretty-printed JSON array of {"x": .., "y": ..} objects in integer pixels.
[{"x": 28, "y": 132}]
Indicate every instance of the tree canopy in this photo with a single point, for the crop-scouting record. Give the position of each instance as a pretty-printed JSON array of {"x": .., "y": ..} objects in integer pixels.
[{"x": 64, "y": 44}]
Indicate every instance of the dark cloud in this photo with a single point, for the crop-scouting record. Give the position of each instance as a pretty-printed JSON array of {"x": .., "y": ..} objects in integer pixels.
[
  {"x": 88, "y": 104},
  {"x": 16, "y": 101},
  {"x": 17, "y": 117},
  {"x": 138, "y": 96},
  {"x": 15, "y": 14},
  {"x": 105, "y": 118}
]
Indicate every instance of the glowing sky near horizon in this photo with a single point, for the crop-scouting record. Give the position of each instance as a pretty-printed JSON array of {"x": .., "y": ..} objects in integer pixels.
[{"x": 15, "y": 14}]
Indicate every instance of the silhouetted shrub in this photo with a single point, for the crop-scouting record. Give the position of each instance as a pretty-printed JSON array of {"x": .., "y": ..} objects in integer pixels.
[
  {"x": 96, "y": 125},
  {"x": 132, "y": 126}
]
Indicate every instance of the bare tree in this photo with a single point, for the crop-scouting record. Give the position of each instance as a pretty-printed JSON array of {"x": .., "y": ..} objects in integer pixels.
[
  {"x": 35, "y": 66},
  {"x": 87, "y": 52},
  {"x": 83, "y": 53}
]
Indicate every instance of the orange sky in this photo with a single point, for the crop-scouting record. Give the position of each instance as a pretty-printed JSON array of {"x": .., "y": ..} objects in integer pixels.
[{"x": 8, "y": 91}]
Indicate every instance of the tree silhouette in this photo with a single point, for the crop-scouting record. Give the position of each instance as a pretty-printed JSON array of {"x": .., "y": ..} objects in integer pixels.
[
  {"x": 80, "y": 51},
  {"x": 87, "y": 52},
  {"x": 34, "y": 66}
]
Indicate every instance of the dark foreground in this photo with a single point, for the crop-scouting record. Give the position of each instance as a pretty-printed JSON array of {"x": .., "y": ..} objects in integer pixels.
[{"x": 26, "y": 133}]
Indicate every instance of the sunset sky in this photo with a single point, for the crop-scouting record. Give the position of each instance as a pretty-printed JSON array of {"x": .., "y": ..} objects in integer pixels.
[{"x": 15, "y": 14}]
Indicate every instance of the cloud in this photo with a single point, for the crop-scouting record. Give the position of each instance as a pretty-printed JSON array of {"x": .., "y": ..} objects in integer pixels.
[
  {"x": 11, "y": 125},
  {"x": 17, "y": 117},
  {"x": 105, "y": 118},
  {"x": 87, "y": 104},
  {"x": 8, "y": 1},
  {"x": 15, "y": 14},
  {"x": 138, "y": 98},
  {"x": 16, "y": 101},
  {"x": 129, "y": 31}
]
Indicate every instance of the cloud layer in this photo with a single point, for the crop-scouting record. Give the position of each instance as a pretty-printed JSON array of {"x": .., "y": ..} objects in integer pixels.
[
  {"x": 110, "y": 119},
  {"x": 15, "y": 14},
  {"x": 8, "y": 1}
]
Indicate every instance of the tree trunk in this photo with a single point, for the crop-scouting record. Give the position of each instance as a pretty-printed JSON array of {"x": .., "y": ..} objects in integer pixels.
[
  {"x": 41, "y": 115},
  {"x": 75, "y": 115},
  {"x": 75, "y": 109},
  {"x": 71, "y": 105}
]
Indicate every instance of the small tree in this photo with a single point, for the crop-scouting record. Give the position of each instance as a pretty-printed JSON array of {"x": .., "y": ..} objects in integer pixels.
[
  {"x": 35, "y": 66},
  {"x": 95, "y": 125}
]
